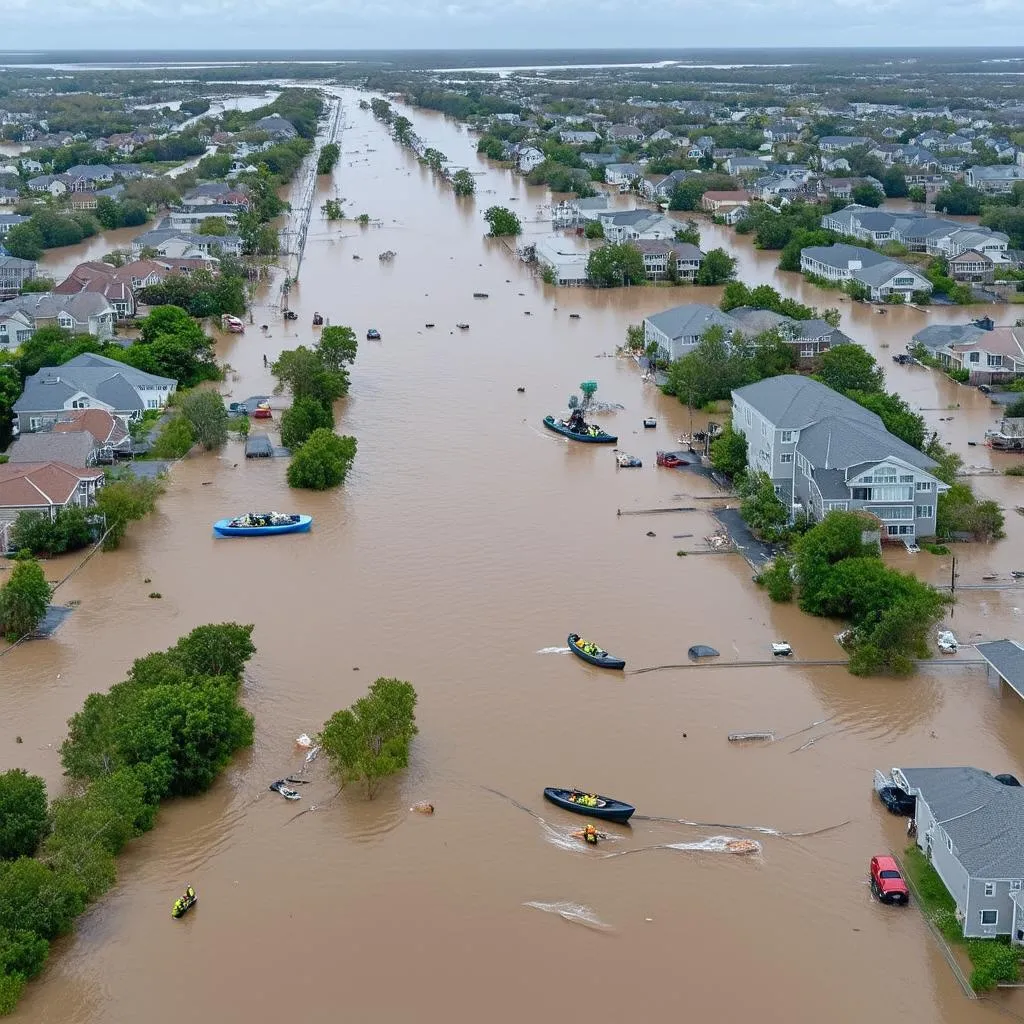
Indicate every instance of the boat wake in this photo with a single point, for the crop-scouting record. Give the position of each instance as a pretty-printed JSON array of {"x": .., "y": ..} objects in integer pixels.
[
  {"x": 577, "y": 913},
  {"x": 713, "y": 844},
  {"x": 553, "y": 650}
]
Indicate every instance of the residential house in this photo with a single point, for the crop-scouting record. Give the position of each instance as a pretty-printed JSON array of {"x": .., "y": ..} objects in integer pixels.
[
  {"x": 679, "y": 330},
  {"x": 825, "y": 452},
  {"x": 661, "y": 135},
  {"x": 622, "y": 174},
  {"x": 810, "y": 339},
  {"x": 572, "y": 213},
  {"x": 779, "y": 186},
  {"x": 782, "y": 131},
  {"x": 994, "y": 179},
  {"x": 188, "y": 218},
  {"x": 629, "y": 225},
  {"x": 624, "y": 133},
  {"x": 566, "y": 259},
  {"x": 935, "y": 337},
  {"x": 212, "y": 192},
  {"x": 659, "y": 258},
  {"x": 600, "y": 159},
  {"x": 667, "y": 185},
  {"x": 574, "y": 138},
  {"x": 9, "y": 196},
  {"x": 173, "y": 242},
  {"x": 528, "y": 158},
  {"x": 973, "y": 267},
  {"x": 87, "y": 177},
  {"x": 31, "y": 166},
  {"x": 742, "y": 166},
  {"x": 838, "y": 143},
  {"x": 48, "y": 183},
  {"x": 833, "y": 164},
  {"x": 15, "y": 328},
  {"x": 86, "y": 382},
  {"x": 102, "y": 279},
  {"x": 734, "y": 214},
  {"x": 45, "y": 487},
  {"x": 722, "y": 202},
  {"x": 989, "y": 354},
  {"x": 880, "y": 274},
  {"x": 276, "y": 127},
  {"x": 14, "y": 273},
  {"x": 10, "y": 220},
  {"x": 84, "y": 313},
  {"x": 971, "y": 828},
  {"x": 82, "y": 437},
  {"x": 83, "y": 201}
]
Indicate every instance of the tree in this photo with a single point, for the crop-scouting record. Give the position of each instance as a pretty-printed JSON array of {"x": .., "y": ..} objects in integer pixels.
[
  {"x": 917, "y": 194},
  {"x": 25, "y": 241},
  {"x": 176, "y": 439},
  {"x": 35, "y": 899},
  {"x": 23, "y": 819},
  {"x": 502, "y": 221},
  {"x": 1015, "y": 409},
  {"x": 10, "y": 391},
  {"x": 761, "y": 508},
  {"x": 896, "y": 415},
  {"x": 594, "y": 229},
  {"x": 108, "y": 212},
  {"x": 717, "y": 267},
  {"x": 332, "y": 210},
  {"x": 894, "y": 181},
  {"x": 839, "y": 536},
  {"x": 959, "y": 511},
  {"x": 322, "y": 462},
  {"x": 214, "y": 226},
  {"x": 865, "y": 194},
  {"x": 327, "y": 158},
  {"x": 777, "y": 579},
  {"x": 69, "y": 530},
  {"x": 370, "y": 740},
  {"x": 122, "y": 501},
  {"x": 305, "y": 415},
  {"x": 616, "y": 264},
  {"x": 959, "y": 199},
  {"x": 215, "y": 650},
  {"x": 729, "y": 452},
  {"x": 302, "y": 371},
  {"x": 23, "y": 599},
  {"x": 464, "y": 183},
  {"x": 687, "y": 194},
  {"x": 711, "y": 371},
  {"x": 851, "y": 368},
  {"x": 22, "y": 957},
  {"x": 337, "y": 347},
  {"x": 689, "y": 233},
  {"x": 207, "y": 417}
]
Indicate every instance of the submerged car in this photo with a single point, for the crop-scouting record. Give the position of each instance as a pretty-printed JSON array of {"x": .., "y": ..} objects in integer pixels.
[
  {"x": 898, "y": 801},
  {"x": 373, "y": 334},
  {"x": 886, "y": 881}
]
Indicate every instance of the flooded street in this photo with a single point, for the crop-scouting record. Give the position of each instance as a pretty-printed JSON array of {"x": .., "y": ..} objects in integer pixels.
[{"x": 465, "y": 540}]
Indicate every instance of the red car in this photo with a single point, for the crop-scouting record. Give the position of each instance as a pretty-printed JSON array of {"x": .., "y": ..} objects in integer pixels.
[
  {"x": 669, "y": 459},
  {"x": 887, "y": 882}
]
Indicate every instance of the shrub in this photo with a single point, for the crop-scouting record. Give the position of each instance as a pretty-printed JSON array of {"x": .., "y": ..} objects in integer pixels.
[
  {"x": 23, "y": 600},
  {"x": 777, "y": 579},
  {"x": 176, "y": 438},
  {"x": 994, "y": 960},
  {"x": 322, "y": 462},
  {"x": 34, "y": 898},
  {"x": 123, "y": 501},
  {"x": 22, "y": 815},
  {"x": 205, "y": 413},
  {"x": 305, "y": 415},
  {"x": 69, "y": 530}
]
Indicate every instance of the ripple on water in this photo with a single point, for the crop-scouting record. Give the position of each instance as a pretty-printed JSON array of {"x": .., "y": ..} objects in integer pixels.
[{"x": 577, "y": 913}]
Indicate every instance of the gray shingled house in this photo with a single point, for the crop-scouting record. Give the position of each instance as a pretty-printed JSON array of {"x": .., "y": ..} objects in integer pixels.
[
  {"x": 824, "y": 452},
  {"x": 971, "y": 827}
]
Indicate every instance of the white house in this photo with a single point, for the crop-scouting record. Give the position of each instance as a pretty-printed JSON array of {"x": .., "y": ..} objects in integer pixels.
[
  {"x": 567, "y": 261},
  {"x": 529, "y": 158},
  {"x": 880, "y": 274}
]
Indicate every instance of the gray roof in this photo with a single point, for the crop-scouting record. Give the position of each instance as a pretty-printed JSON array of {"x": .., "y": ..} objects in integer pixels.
[
  {"x": 72, "y": 448},
  {"x": 757, "y": 320},
  {"x": 691, "y": 320},
  {"x": 984, "y": 818},
  {"x": 110, "y": 382},
  {"x": 840, "y": 254},
  {"x": 1007, "y": 658},
  {"x": 936, "y": 335},
  {"x": 793, "y": 402},
  {"x": 47, "y": 305},
  {"x": 832, "y": 484},
  {"x": 839, "y": 442}
]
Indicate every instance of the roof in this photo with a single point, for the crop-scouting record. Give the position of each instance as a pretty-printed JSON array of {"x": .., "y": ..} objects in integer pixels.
[
  {"x": 104, "y": 428},
  {"x": 49, "y": 305},
  {"x": 658, "y": 247},
  {"x": 984, "y": 818},
  {"x": 40, "y": 484},
  {"x": 691, "y": 320},
  {"x": 71, "y": 449},
  {"x": 1007, "y": 658},
  {"x": 999, "y": 172},
  {"x": 840, "y": 442},
  {"x": 793, "y": 402},
  {"x": 938, "y": 335},
  {"x": 1008, "y": 341}
]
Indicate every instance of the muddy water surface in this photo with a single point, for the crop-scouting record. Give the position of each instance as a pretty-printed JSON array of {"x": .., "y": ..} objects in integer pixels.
[{"x": 466, "y": 540}]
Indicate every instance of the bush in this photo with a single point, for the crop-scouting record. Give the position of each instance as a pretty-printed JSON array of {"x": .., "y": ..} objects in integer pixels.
[
  {"x": 729, "y": 452},
  {"x": 22, "y": 952},
  {"x": 370, "y": 740},
  {"x": 176, "y": 439},
  {"x": 23, "y": 600},
  {"x": 322, "y": 462},
  {"x": 123, "y": 501},
  {"x": 33, "y": 898},
  {"x": 22, "y": 815},
  {"x": 69, "y": 530},
  {"x": 761, "y": 508},
  {"x": 328, "y": 158},
  {"x": 1017, "y": 470},
  {"x": 594, "y": 229},
  {"x": 994, "y": 960},
  {"x": 206, "y": 415},
  {"x": 298, "y": 422},
  {"x": 777, "y": 579}
]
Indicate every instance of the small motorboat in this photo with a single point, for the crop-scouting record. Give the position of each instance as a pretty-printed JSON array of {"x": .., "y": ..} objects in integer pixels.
[
  {"x": 780, "y": 649},
  {"x": 948, "y": 643},
  {"x": 183, "y": 904},
  {"x": 574, "y": 316},
  {"x": 625, "y": 461},
  {"x": 463, "y": 327},
  {"x": 285, "y": 790},
  {"x": 428, "y": 325},
  {"x": 593, "y": 654},
  {"x": 990, "y": 576},
  {"x": 590, "y": 804},
  {"x": 650, "y": 421},
  {"x": 373, "y": 334},
  {"x": 318, "y": 320},
  {"x": 479, "y": 295},
  {"x": 579, "y": 431},
  {"x": 258, "y": 524}
]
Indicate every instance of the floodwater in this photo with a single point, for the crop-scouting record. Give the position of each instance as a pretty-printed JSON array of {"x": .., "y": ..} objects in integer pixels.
[
  {"x": 466, "y": 540},
  {"x": 58, "y": 263}
]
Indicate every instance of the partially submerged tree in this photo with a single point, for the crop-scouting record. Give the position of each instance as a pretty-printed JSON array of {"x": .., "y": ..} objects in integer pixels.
[
  {"x": 502, "y": 221},
  {"x": 205, "y": 413},
  {"x": 370, "y": 740},
  {"x": 322, "y": 462},
  {"x": 463, "y": 183},
  {"x": 23, "y": 599},
  {"x": 23, "y": 813}
]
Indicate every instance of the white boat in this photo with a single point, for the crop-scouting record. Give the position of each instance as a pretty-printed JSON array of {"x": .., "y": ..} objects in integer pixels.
[{"x": 948, "y": 643}]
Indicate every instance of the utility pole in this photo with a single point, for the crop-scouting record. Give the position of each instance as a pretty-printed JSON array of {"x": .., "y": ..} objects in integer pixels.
[{"x": 952, "y": 585}]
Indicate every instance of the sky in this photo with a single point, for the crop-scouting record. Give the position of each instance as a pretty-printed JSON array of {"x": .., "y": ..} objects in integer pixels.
[{"x": 457, "y": 24}]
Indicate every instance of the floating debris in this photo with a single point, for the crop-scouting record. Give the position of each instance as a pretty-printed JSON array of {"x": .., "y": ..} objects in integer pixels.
[
  {"x": 303, "y": 741},
  {"x": 577, "y": 913},
  {"x": 746, "y": 737},
  {"x": 422, "y": 807}
]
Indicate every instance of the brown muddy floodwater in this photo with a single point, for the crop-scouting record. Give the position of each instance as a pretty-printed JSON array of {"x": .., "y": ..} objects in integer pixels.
[{"x": 466, "y": 541}]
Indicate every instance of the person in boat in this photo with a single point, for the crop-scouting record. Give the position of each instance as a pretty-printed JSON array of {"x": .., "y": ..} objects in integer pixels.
[{"x": 182, "y": 903}]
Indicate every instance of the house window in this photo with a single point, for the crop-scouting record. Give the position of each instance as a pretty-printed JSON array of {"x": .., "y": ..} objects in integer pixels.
[
  {"x": 862, "y": 494},
  {"x": 995, "y": 360},
  {"x": 80, "y": 403},
  {"x": 974, "y": 357},
  {"x": 990, "y": 888},
  {"x": 907, "y": 479},
  {"x": 899, "y": 531},
  {"x": 808, "y": 351},
  {"x": 1015, "y": 885},
  {"x": 924, "y": 511},
  {"x": 787, "y": 437},
  {"x": 893, "y": 511},
  {"x": 35, "y": 422},
  {"x": 925, "y": 485},
  {"x": 990, "y": 917},
  {"x": 786, "y": 457}
]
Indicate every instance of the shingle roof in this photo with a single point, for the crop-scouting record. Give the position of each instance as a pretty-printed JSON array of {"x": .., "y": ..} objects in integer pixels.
[
  {"x": 71, "y": 449},
  {"x": 1007, "y": 658},
  {"x": 40, "y": 484},
  {"x": 793, "y": 402},
  {"x": 691, "y": 320},
  {"x": 937, "y": 335},
  {"x": 984, "y": 818},
  {"x": 838, "y": 442}
]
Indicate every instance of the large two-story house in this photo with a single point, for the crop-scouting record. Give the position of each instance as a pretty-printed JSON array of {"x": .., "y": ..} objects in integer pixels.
[
  {"x": 824, "y": 452},
  {"x": 89, "y": 381},
  {"x": 881, "y": 275},
  {"x": 82, "y": 313}
]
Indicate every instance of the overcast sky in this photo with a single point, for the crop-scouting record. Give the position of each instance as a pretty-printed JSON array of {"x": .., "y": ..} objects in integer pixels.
[{"x": 399, "y": 24}]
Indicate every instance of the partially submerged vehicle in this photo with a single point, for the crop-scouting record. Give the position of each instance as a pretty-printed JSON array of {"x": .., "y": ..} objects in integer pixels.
[
  {"x": 373, "y": 334},
  {"x": 232, "y": 324},
  {"x": 895, "y": 798},
  {"x": 781, "y": 649},
  {"x": 948, "y": 643},
  {"x": 279, "y": 786},
  {"x": 669, "y": 459},
  {"x": 698, "y": 651},
  {"x": 626, "y": 461}
]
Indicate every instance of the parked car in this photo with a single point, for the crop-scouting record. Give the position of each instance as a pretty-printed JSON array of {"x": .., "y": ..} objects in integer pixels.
[{"x": 886, "y": 881}]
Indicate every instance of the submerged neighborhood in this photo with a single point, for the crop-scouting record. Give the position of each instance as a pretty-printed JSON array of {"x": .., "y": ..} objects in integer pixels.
[{"x": 742, "y": 236}]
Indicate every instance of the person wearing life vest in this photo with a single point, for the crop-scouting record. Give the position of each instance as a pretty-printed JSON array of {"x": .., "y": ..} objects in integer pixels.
[{"x": 590, "y": 834}]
